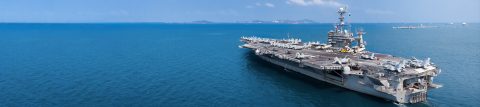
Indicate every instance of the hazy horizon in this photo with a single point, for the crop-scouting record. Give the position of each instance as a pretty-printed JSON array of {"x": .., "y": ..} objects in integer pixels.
[
  {"x": 172, "y": 11},
  {"x": 212, "y": 22}
]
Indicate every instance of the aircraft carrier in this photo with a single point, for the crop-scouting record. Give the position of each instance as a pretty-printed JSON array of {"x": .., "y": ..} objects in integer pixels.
[{"x": 345, "y": 62}]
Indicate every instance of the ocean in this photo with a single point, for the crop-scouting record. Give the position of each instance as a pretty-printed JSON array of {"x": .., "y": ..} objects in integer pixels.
[{"x": 184, "y": 65}]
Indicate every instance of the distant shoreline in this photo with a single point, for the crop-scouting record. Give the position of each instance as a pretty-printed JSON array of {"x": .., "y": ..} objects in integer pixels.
[{"x": 218, "y": 23}]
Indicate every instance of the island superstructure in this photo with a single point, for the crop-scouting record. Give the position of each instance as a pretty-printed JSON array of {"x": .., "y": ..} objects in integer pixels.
[{"x": 345, "y": 62}]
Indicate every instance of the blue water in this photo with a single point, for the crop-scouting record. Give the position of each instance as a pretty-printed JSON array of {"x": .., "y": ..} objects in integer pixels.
[{"x": 200, "y": 65}]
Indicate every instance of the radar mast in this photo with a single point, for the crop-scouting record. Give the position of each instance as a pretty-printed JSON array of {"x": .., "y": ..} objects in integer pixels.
[{"x": 342, "y": 38}]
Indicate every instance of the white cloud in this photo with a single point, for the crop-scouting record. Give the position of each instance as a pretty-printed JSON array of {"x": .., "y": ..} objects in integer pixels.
[
  {"x": 288, "y": 2},
  {"x": 315, "y": 2},
  {"x": 269, "y": 5}
]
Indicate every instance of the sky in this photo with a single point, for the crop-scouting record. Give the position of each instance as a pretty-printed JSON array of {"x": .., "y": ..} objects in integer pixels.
[{"x": 362, "y": 11}]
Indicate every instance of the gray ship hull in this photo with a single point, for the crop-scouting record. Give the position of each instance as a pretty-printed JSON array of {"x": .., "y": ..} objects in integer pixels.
[
  {"x": 350, "y": 82},
  {"x": 350, "y": 66}
]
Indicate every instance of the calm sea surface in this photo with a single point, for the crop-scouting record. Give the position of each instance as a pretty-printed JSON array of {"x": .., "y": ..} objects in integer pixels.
[{"x": 201, "y": 65}]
